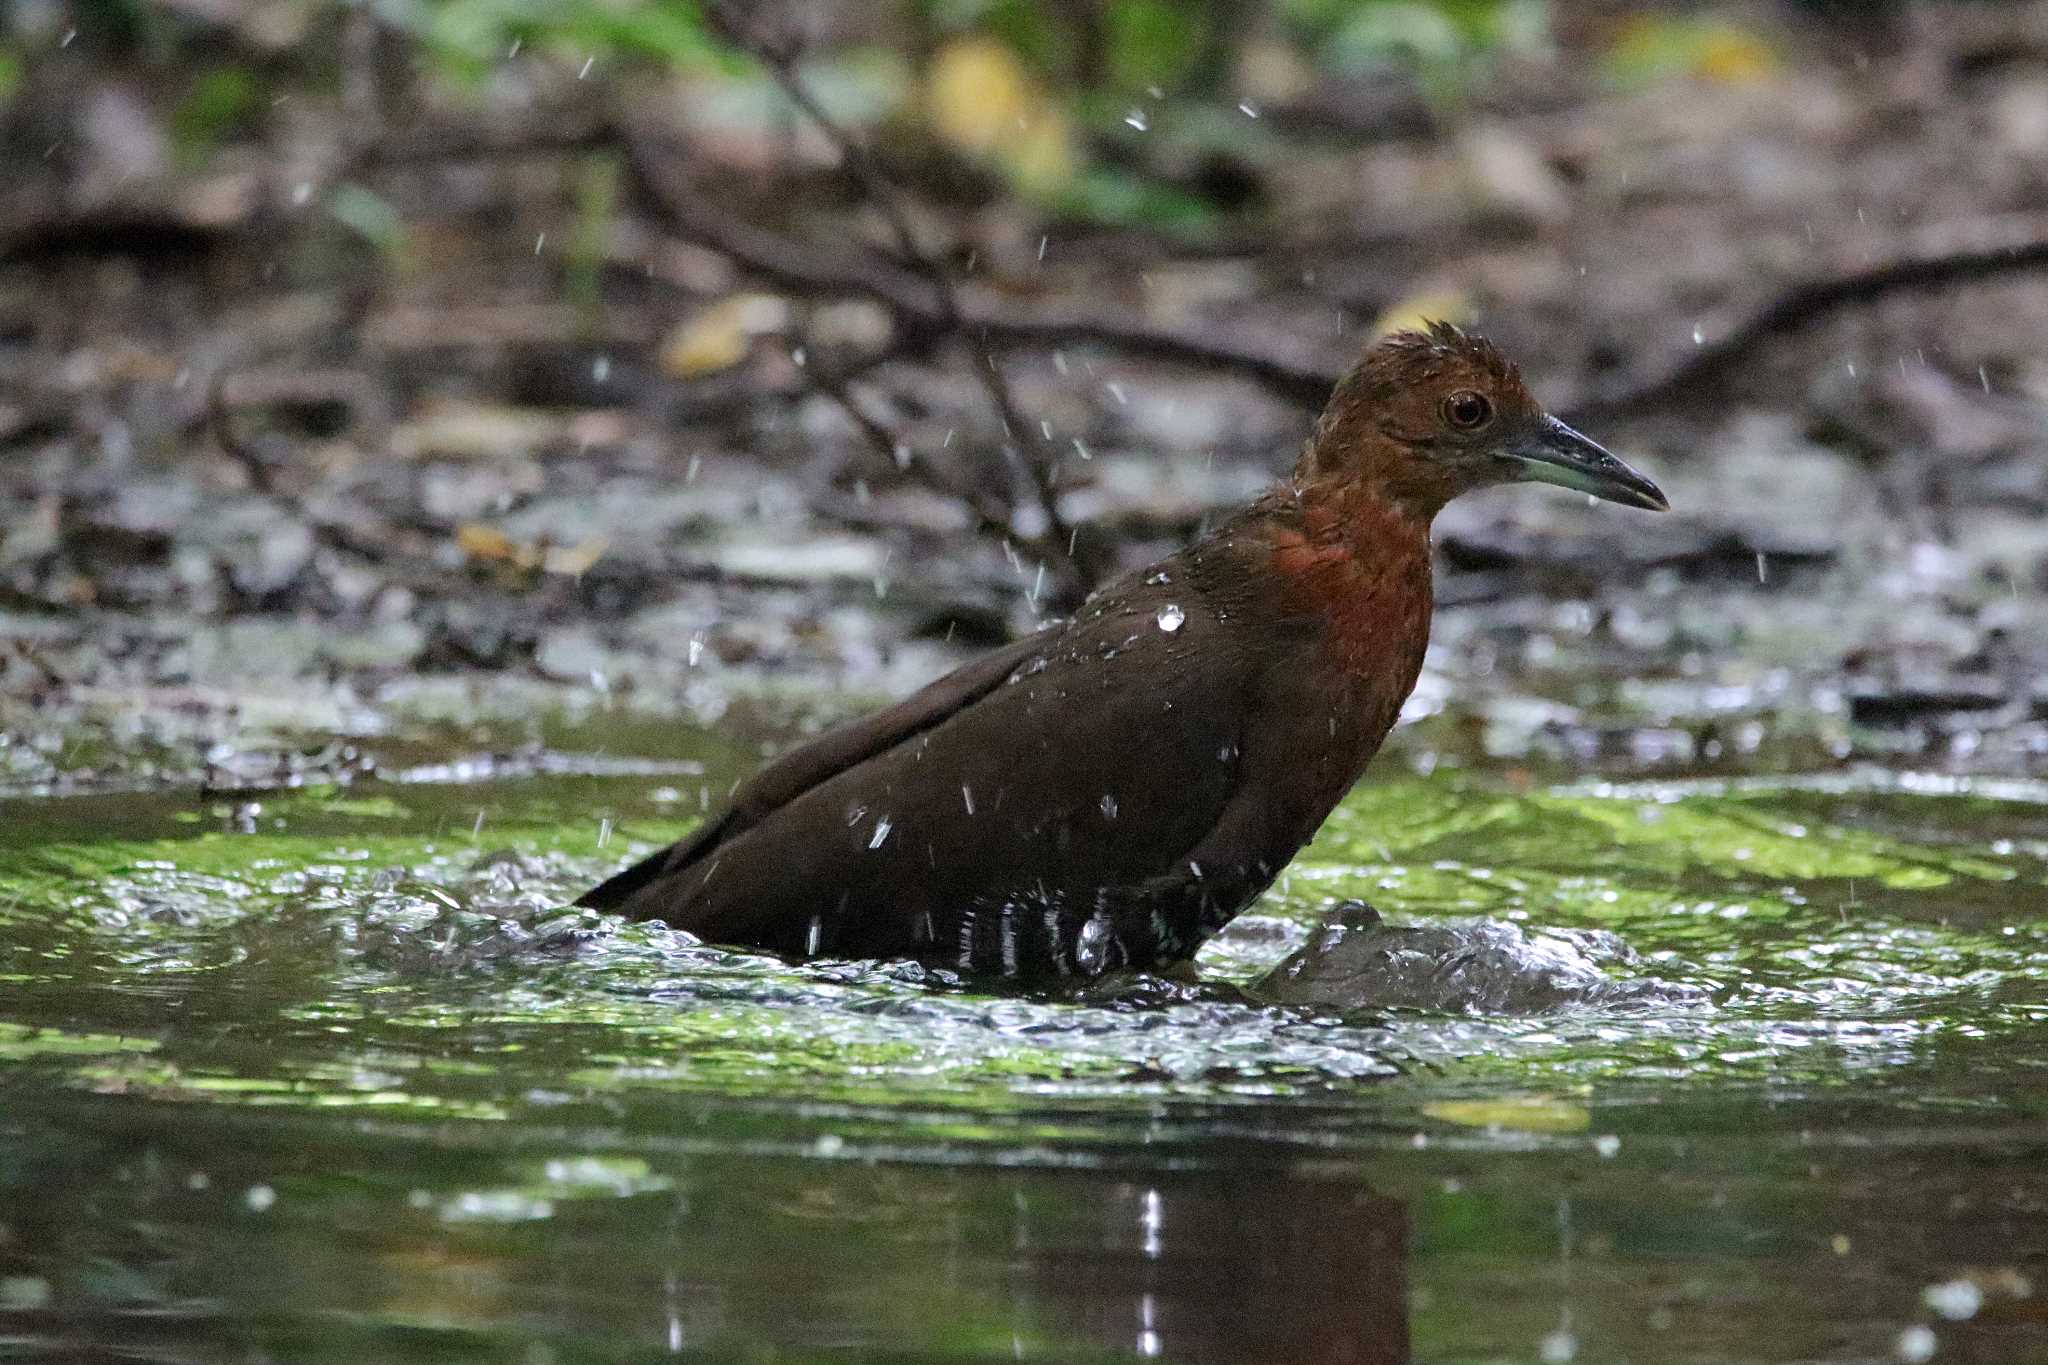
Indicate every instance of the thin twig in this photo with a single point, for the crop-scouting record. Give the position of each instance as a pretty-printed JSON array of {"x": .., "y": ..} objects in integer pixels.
[
  {"x": 221, "y": 423},
  {"x": 899, "y": 455},
  {"x": 1933, "y": 260},
  {"x": 1038, "y": 470},
  {"x": 1942, "y": 255}
]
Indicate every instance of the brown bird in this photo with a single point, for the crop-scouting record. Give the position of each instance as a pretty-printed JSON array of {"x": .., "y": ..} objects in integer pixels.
[{"x": 1111, "y": 790}]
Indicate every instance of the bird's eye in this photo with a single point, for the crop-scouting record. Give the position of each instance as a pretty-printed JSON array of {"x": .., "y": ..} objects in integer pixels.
[{"x": 1467, "y": 411}]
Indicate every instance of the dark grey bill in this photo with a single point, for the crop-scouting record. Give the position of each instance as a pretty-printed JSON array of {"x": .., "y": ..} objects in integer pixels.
[{"x": 1552, "y": 452}]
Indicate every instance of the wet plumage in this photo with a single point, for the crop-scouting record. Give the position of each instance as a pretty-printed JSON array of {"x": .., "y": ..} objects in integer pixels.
[{"x": 1109, "y": 791}]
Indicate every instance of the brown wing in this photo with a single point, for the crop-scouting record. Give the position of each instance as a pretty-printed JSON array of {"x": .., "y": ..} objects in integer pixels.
[
  {"x": 1092, "y": 756},
  {"x": 825, "y": 757}
]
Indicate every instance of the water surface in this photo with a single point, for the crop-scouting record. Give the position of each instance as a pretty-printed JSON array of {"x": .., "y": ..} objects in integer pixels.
[{"x": 327, "y": 1074}]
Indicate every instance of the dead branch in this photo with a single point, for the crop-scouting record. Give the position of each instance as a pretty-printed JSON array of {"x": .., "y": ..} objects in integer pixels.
[
  {"x": 1943, "y": 255},
  {"x": 1038, "y": 469},
  {"x": 822, "y": 270},
  {"x": 894, "y": 453}
]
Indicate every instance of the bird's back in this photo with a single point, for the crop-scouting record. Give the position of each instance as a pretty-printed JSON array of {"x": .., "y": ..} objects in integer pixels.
[{"x": 984, "y": 820}]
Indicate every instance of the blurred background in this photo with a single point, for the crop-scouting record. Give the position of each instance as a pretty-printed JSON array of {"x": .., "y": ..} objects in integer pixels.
[
  {"x": 414, "y": 415},
  {"x": 648, "y": 352}
]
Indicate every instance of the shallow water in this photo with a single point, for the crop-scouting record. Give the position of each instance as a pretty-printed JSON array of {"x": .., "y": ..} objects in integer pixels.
[{"x": 334, "y": 1078}]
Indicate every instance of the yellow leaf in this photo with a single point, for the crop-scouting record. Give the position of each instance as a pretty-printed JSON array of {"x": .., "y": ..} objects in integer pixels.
[
  {"x": 977, "y": 93},
  {"x": 1733, "y": 57},
  {"x": 1417, "y": 311},
  {"x": 983, "y": 101},
  {"x": 485, "y": 542},
  {"x": 1651, "y": 47},
  {"x": 1520, "y": 1114},
  {"x": 1041, "y": 157},
  {"x": 716, "y": 337}
]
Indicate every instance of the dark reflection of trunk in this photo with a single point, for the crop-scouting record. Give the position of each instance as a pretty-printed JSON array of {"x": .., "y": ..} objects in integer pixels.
[
  {"x": 197, "y": 1233},
  {"x": 1232, "y": 1266}
]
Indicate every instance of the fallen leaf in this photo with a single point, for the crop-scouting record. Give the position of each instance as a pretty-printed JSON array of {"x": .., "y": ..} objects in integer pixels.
[
  {"x": 716, "y": 337},
  {"x": 982, "y": 100},
  {"x": 1518, "y": 1114},
  {"x": 978, "y": 93}
]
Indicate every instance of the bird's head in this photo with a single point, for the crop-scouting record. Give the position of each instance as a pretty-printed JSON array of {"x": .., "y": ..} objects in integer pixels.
[{"x": 1427, "y": 415}]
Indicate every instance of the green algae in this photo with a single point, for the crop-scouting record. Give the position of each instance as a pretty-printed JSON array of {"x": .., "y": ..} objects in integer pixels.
[{"x": 362, "y": 1020}]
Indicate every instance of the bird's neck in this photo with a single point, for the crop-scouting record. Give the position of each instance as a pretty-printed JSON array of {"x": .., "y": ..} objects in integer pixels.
[{"x": 1361, "y": 560}]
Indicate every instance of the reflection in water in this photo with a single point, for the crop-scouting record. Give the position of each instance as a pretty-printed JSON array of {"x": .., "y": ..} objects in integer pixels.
[
  {"x": 117, "y": 1243},
  {"x": 1239, "y": 1265},
  {"x": 341, "y": 1091}
]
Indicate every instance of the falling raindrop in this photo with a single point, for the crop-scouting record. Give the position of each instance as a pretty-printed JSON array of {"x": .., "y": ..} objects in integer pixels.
[
  {"x": 814, "y": 936},
  {"x": 1136, "y": 118},
  {"x": 1108, "y": 804},
  {"x": 1170, "y": 618},
  {"x": 601, "y": 368},
  {"x": 967, "y": 797},
  {"x": 585, "y": 72},
  {"x": 1699, "y": 336},
  {"x": 881, "y": 833}
]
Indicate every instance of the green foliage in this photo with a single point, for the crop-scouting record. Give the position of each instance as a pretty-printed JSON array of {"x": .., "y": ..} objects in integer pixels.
[
  {"x": 10, "y": 74},
  {"x": 1026, "y": 27},
  {"x": 1153, "y": 42},
  {"x": 216, "y": 104},
  {"x": 1103, "y": 195},
  {"x": 469, "y": 37},
  {"x": 1654, "y": 48},
  {"x": 370, "y": 216},
  {"x": 1439, "y": 38}
]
